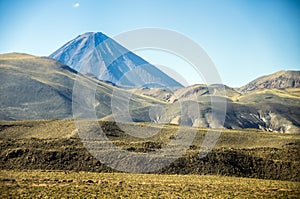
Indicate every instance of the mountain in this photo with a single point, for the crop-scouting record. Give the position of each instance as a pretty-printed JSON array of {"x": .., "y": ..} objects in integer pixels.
[
  {"x": 281, "y": 79},
  {"x": 104, "y": 58},
  {"x": 41, "y": 88},
  {"x": 269, "y": 109}
]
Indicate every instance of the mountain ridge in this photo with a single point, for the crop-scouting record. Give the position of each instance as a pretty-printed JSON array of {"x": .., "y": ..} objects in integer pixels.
[{"x": 280, "y": 79}]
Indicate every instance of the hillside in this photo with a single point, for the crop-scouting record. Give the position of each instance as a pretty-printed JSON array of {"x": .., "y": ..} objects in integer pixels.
[
  {"x": 34, "y": 87},
  {"x": 41, "y": 88}
]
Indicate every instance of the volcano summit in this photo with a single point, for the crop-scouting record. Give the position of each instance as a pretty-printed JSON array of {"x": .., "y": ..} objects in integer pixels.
[{"x": 98, "y": 55}]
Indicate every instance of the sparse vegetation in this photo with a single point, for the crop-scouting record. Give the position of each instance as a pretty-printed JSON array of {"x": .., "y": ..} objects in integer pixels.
[
  {"x": 247, "y": 153},
  {"x": 60, "y": 184}
]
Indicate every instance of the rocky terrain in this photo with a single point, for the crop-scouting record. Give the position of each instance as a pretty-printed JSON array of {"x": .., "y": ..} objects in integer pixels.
[{"x": 281, "y": 79}]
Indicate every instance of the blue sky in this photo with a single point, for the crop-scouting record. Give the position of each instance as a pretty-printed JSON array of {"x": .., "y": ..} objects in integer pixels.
[{"x": 245, "y": 39}]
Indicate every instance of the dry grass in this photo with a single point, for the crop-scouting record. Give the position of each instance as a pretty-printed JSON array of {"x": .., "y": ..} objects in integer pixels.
[
  {"x": 58, "y": 184},
  {"x": 41, "y": 129},
  {"x": 45, "y": 129},
  {"x": 290, "y": 93}
]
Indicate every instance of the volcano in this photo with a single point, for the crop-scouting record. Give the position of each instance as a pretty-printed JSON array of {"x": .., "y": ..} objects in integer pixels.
[{"x": 102, "y": 57}]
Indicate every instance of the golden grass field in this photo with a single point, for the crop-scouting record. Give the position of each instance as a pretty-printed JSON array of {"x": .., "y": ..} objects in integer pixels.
[{"x": 60, "y": 184}]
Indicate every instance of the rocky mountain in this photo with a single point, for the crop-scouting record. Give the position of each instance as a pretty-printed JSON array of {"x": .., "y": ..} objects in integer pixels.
[
  {"x": 281, "y": 79},
  {"x": 104, "y": 58},
  {"x": 269, "y": 109}
]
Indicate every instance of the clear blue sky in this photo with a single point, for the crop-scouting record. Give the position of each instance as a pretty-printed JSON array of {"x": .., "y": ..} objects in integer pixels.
[{"x": 245, "y": 39}]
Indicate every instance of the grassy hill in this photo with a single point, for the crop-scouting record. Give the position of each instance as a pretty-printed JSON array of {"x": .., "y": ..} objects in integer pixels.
[{"x": 41, "y": 88}]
